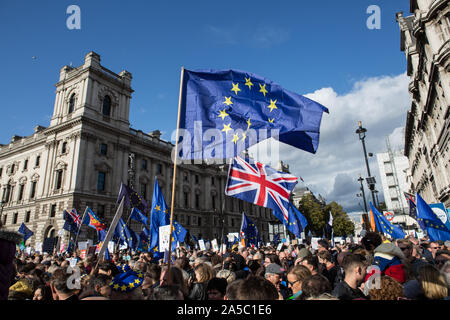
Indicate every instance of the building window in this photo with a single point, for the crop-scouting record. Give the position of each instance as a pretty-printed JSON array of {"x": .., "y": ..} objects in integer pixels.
[
  {"x": 197, "y": 201},
  {"x": 101, "y": 210},
  {"x": 13, "y": 166},
  {"x": 33, "y": 189},
  {"x": 106, "y": 106},
  {"x": 159, "y": 168},
  {"x": 144, "y": 190},
  {"x": 53, "y": 211},
  {"x": 15, "y": 216},
  {"x": 1, "y": 171},
  {"x": 64, "y": 148},
  {"x": 144, "y": 164},
  {"x": 212, "y": 181},
  {"x": 186, "y": 199},
  {"x": 38, "y": 161},
  {"x": 20, "y": 195},
  {"x": 213, "y": 202},
  {"x": 197, "y": 179},
  {"x": 72, "y": 103},
  {"x": 199, "y": 221},
  {"x": 59, "y": 175},
  {"x": 25, "y": 164},
  {"x": 101, "y": 181},
  {"x": 103, "y": 149},
  {"x": 185, "y": 177},
  {"x": 188, "y": 222},
  {"x": 27, "y": 216},
  {"x": 232, "y": 222}
]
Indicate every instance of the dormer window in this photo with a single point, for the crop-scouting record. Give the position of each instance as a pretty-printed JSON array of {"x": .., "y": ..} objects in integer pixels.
[
  {"x": 106, "y": 106},
  {"x": 72, "y": 103}
]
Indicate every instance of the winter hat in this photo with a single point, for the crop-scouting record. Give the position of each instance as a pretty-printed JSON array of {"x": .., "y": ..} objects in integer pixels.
[
  {"x": 388, "y": 258},
  {"x": 21, "y": 288}
]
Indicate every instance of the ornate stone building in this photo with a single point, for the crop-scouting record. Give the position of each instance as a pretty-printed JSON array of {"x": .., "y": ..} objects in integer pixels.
[
  {"x": 89, "y": 149},
  {"x": 425, "y": 39}
]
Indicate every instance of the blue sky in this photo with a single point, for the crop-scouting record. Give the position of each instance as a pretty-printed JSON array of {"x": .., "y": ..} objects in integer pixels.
[{"x": 302, "y": 45}]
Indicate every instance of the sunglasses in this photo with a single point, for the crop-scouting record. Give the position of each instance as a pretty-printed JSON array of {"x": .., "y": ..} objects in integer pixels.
[
  {"x": 434, "y": 248},
  {"x": 292, "y": 283}
]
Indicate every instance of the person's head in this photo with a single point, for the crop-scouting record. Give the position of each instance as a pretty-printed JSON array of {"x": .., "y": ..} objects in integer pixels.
[
  {"x": 176, "y": 278},
  {"x": 442, "y": 256},
  {"x": 371, "y": 240},
  {"x": 216, "y": 288},
  {"x": 59, "y": 284},
  {"x": 314, "y": 286},
  {"x": 254, "y": 266},
  {"x": 389, "y": 289},
  {"x": 43, "y": 293},
  {"x": 167, "y": 292},
  {"x": 273, "y": 274},
  {"x": 231, "y": 292},
  {"x": 433, "y": 282},
  {"x": 312, "y": 263},
  {"x": 324, "y": 256},
  {"x": 228, "y": 275},
  {"x": 296, "y": 276},
  {"x": 355, "y": 267},
  {"x": 256, "y": 288},
  {"x": 108, "y": 268},
  {"x": 153, "y": 272},
  {"x": 406, "y": 247},
  {"x": 434, "y": 247},
  {"x": 203, "y": 273},
  {"x": 216, "y": 260},
  {"x": 322, "y": 245},
  {"x": 272, "y": 258},
  {"x": 101, "y": 285}
]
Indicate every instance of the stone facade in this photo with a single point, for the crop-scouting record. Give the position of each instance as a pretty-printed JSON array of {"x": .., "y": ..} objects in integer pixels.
[
  {"x": 425, "y": 39},
  {"x": 82, "y": 158}
]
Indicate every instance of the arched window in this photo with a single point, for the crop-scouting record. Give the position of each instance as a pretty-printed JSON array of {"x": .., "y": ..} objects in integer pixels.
[
  {"x": 72, "y": 103},
  {"x": 106, "y": 106}
]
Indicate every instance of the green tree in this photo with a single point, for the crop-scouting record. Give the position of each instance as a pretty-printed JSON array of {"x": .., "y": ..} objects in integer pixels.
[
  {"x": 313, "y": 213},
  {"x": 342, "y": 225}
]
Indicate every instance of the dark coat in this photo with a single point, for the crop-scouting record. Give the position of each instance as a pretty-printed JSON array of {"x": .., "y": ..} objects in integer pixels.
[
  {"x": 8, "y": 241},
  {"x": 198, "y": 291}
]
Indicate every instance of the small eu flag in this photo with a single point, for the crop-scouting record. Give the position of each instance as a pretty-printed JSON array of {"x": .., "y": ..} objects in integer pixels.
[
  {"x": 27, "y": 233},
  {"x": 132, "y": 199},
  {"x": 436, "y": 230},
  {"x": 226, "y": 111},
  {"x": 383, "y": 225},
  {"x": 249, "y": 231},
  {"x": 138, "y": 216}
]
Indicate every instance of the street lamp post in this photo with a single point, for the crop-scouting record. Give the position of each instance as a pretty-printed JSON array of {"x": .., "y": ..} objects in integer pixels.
[
  {"x": 365, "y": 214},
  {"x": 370, "y": 180}
]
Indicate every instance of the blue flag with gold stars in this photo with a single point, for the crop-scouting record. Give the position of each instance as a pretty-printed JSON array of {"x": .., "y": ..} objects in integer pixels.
[
  {"x": 243, "y": 109},
  {"x": 132, "y": 199},
  {"x": 296, "y": 220},
  {"x": 383, "y": 225},
  {"x": 138, "y": 216},
  {"x": 160, "y": 216},
  {"x": 123, "y": 233},
  {"x": 436, "y": 230},
  {"x": 249, "y": 231}
]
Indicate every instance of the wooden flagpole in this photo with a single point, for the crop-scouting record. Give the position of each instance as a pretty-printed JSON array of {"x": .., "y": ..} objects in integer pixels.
[{"x": 174, "y": 175}]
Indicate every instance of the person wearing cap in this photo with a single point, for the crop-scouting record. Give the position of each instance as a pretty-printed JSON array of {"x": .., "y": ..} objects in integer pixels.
[
  {"x": 274, "y": 273},
  {"x": 126, "y": 285}
]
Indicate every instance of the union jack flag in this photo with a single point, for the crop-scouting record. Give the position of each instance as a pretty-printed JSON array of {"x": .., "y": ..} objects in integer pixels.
[
  {"x": 75, "y": 217},
  {"x": 72, "y": 221},
  {"x": 260, "y": 185}
]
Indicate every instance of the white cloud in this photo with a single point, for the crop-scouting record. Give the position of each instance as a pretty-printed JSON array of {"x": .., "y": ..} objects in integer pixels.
[{"x": 381, "y": 104}]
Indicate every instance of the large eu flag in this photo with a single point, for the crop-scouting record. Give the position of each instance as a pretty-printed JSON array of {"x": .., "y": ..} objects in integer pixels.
[
  {"x": 238, "y": 104},
  {"x": 296, "y": 220},
  {"x": 436, "y": 230}
]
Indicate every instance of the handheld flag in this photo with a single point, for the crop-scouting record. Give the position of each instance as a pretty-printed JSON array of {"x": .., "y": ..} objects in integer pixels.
[
  {"x": 260, "y": 184},
  {"x": 123, "y": 233},
  {"x": 330, "y": 228},
  {"x": 160, "y": 217},
  {"x": 383, "y": 225},
  {"x": 136, "y": 215},
  {"x": 72, "y": 221},
  {"x": 243, "y": 103},
  {"x": 27, "y": 233},
  {"x": 132, "y": 199},
  {"x": 411, "y": 199},
  {"x": 93, "y": 221},
  {"x": 296, "y": 222},
  {"x": 249, "y": 231},
  {"x": 436, "y": 230}
]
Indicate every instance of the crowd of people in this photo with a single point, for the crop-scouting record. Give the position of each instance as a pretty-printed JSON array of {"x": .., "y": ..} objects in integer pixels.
[{"x": 373, "y": 269}]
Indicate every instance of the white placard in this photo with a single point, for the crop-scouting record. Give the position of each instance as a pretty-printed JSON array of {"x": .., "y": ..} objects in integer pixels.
[
  {"x": 111, "y": 247},
  {"x": 224, "y": 248},
  {"x": 73, "y": 262},
  {"x": 61, "y": 232},
  {"x": 82, "y": 245},
  {"x": 38, "y": 247},
  {"x": 28, "y": 250},
  {"x": 208, "y": 245},
  {"x": 279, "y": 246},
  {"x": 315, "y": 243},
  {"x": 268, "y": 244},
  {"x": 201, "y": 244},
  {"x": 214, "y": 245},
  {"x": 164, "y": 238}
]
